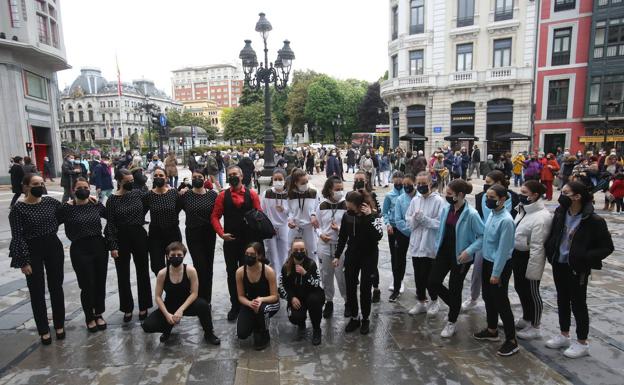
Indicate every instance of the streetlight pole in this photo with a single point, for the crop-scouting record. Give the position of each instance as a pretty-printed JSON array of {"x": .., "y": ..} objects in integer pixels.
[
  {"x": 148, "y": 108},
  {"x": 336, "y": 123},
  {"x": 607, "y": 107}
]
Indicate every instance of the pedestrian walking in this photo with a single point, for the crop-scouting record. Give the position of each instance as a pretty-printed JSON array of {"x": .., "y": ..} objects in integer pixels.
[
  {"x": 550, "y": 167},
  {"x": 475, "y": 162},
  {"x": 69, "y": 173},
  {"x": 103, "y": 180},
  {"x": 302, "y": 204},
  {"x": 47, "y": 169},
  {"x": 171, "y": 168},
  {"x": 29, "y": 166},
  {"x": 518, "y": 168},
  {"x": 17, "y": 179},
  {"x": 387, "y": 213}
]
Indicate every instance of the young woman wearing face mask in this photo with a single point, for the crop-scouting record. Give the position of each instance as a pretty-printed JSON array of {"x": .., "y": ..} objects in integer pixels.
[
  {"x": 198, "y": 203},
  {"x": 126, "y": 237},
  {"x": 36, "y": 250},
  {"x": 532, "y": 226},
  {"x": 180, "y": 283},
  {"x": 388, "y": 213},
  {"x": 498, "y": 244},
  {"x": 577, "y": 243},
  {"x": 459, "y": 237},
  {"x": 302, "y": 204},
  {"x": 423, "y": 220},
  {"x": 89, "y": 257},
  {"x": 360, "y": 232},
  {"x": 256, "y": 286},
  {"x": 300, "y": 286},
  {"x": 402, "y": 235},
  {"x": 329, "y": 214},
  {"x": 274, "y": 203}
]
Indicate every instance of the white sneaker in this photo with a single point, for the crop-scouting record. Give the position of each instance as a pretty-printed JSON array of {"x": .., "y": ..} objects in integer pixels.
[
  {"x": 469, "y": 304},
  {"x": 448, "y": 331},
  {"x": 434, "y": 307},
  {"x": 529, "y": 333},
  {"x": 522, "y": 324},
  {"x": 576, "y": 350},
  {"x": 557, "y": 342},
  {"x": 419, "y": 308}
]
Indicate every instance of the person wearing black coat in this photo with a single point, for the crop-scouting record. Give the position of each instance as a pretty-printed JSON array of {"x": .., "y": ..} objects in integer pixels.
[
  {"x": 247, "y": 167},
  {"x": 17, "y": 175},
  {"x": 578, "y": 242}
]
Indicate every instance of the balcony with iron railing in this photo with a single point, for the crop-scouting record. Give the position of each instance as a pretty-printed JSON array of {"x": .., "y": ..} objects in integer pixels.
[
  {"x": 557, "y": 111},
  {"x": 560, "y": 58}
]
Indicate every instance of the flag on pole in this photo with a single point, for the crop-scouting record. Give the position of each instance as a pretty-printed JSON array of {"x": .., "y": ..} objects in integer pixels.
[{"x": 118, "y": 77}]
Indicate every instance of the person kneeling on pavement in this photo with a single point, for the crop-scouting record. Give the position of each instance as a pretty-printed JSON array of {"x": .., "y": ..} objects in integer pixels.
[{"x": 181, "y": 286}]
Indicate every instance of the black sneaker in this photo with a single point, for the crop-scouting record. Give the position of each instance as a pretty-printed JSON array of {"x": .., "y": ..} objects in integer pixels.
[
  {"x": 353, "y": 325},
  {"x": 486, "y": 335},
  {"x": 376, "y": 296},
  {"x": 329, "y": 310},
  {"x": 316, "y": 337},
  {"x": 212, "y": 339},
  {"x": 232, "y": 314},
  {"x": 347, "y": 311},
  {"x": 164, "y": 337},
  {"x": 365, "y": 328},
  {"x": 509, "y": 348},
  {"x": 261, "y": 340},
  {"x": 394, "y": 296}
]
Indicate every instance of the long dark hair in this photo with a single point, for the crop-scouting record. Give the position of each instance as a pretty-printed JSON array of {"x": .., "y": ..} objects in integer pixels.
[
  {"x": 290, "y": 262},
  {"x": 294, "y": 177},
  {"x": 259, "y": 249},
  {"x": 581, "y": 189},
  {"x": 329, "y": 186}
]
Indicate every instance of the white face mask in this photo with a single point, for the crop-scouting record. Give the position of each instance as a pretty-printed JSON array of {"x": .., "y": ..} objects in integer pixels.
[
  {"x": 337, "y": 195},
  {"x": 302, "y": 187},
  {"x": 278, "y": 184}
]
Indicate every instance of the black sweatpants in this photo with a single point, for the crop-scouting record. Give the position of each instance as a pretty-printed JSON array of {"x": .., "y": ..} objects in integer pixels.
[
  {"x": 527, "y": 289},
  {"x": 46, "y": 262},
  {"x": 250, "y": 322},
  {"x": 363, "y": 267},
  {"x": 571, "y": 290},
  {"x": 313, "y": 304},
  {"x": 132, "y": 241},
  {"x": 399, "y": 261},
  {"x": 90, "y": 261},
  {"x": 422, "y": 269},
  {"x": 452, "y": 296},
  {"x": 233, "y": 252},
  {"x": 158, "y": 240},
  {"x": 157, "y": 323},
  {"x": 497, "y": 300},
  {"x": 201, "y": 245}
]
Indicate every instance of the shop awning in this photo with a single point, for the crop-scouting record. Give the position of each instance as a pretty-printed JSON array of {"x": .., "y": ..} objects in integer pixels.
[
  {"x": 414, "y": 137},
  {"x": 513, "y": 137},
  {"x": 461, "y": 136},
  {"x": 600, "y": 139}
]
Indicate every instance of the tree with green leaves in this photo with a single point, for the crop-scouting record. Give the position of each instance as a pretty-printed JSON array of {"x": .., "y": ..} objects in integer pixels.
[
  {"x": 368, "y": 110},
  {"x": 297, "y": 97},
  {"x": 185, "y": 118},
  {"x": 249, "y": 96},
  {"x": 247, "y": 123}
]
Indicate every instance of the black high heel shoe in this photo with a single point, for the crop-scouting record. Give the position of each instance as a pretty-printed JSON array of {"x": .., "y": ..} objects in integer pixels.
[
  {"x": 127, "y": 317},
  {"x": 61, "y": 335},
  {"x": 46, "y": 341},
  {"x": 103, "y": 326},
  {"x": 91, "y": 329}
]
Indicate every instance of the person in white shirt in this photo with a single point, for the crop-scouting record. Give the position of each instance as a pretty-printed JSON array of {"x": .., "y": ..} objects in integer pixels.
[
  {"x": 302, "y": 204},
  {"x": 329, "y": 214},
  {"x": 274, "y": 202},
  {"x": 423, "y": 218}
]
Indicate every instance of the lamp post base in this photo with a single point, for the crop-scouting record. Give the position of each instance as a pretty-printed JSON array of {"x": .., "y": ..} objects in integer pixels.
[{"x": 264, "y": 183}]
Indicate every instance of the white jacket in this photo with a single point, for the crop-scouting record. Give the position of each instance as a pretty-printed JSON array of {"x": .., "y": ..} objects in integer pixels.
[
  {"x": 302, "y": 205},
  {"x": 423, "y": 218},
  {"x": 327, "y": 213},
  {"x": 532, "y": 228},
  {"x": 270, "y": 202}
]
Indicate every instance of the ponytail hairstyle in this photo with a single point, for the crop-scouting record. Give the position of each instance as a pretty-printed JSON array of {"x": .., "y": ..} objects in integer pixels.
[
  {"x": 294, "y": 177},
  {"x": 583, "y": 190},
  {"x": 460, "y": 186},
  {"x": 367, "y": 183},
  {"x": 498, "y": 177},
  {"x": 535, "y": 187},
  {"x": 290, "y": 261},
  {"x": 500, "y": 191},
  {"x": 358, "y": 198},
  {"x": 259, "y": 249}
]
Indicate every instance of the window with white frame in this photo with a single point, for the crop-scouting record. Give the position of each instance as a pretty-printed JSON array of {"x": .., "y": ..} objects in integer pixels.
[
  {"x": 502, "y": 53},
  {"x": 503, "y": 10},
  {"x": 464, "y": 57},
  {"x": 416, "y": 63},
  {"x": 417, "y": 16}
]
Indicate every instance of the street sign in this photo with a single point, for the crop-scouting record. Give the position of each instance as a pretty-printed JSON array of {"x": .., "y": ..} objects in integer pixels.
[
  {"x": 163, "y": 120},
  {"x": 437, "y": 130}
]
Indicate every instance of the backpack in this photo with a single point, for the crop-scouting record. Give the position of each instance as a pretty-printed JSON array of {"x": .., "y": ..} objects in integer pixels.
[
  {"x": 257, "y": 222},
  {"x": 212, "y": 167}
]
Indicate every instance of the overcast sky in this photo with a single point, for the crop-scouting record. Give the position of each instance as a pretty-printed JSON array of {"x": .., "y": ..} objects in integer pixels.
[{"x": 343, "y": 38}]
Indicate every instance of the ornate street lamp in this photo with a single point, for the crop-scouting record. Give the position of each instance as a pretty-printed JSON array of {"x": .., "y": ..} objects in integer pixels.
[
  {"x": 263, "y": 74},
  {"x": 148, "y": 108},
  {"x": 336, "y": 123},
  {"x": 611, "y": 106}
]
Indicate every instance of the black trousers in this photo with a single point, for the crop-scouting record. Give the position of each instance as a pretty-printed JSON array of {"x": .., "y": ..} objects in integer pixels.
[
  {"x": 133, "y": 242},
  {"x": 571, "y": 290},
  {"x": 362, "y": 268},
  {"x": 422, "y": 269},
  {"x": 46, "y": 262},
  {"x": 399, "y": 260},
  {"x": 157, "y": 323},
  {"x": 496, "y": 299},
  {"x": 233, "y": 252},
  {"x": 201, "y": 244},
  {"x": 250, "y": 322},
  {"x": 452, "y": 295},
  {"x": 157, "y": 241},
  {"x": 312, "y": 304},
  {"x": 527, "y": 289},
  {"x": 90, "y": 261}
]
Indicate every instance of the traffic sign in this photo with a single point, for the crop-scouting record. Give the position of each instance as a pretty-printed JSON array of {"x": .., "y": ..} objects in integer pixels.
[
  {"x": 437, "y": 130},
  {"x": 163, "y": 120}
]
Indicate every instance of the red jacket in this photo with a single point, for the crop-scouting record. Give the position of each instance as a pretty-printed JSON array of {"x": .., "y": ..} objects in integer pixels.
[
  {"x": 238, "y": 197},
  {"x": 617, "y": 188},
  {"x": 548, "y": 174}
]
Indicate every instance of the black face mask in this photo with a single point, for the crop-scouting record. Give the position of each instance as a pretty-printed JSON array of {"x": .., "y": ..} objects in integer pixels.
[
  {"x": 450, "y": 200},
  {"x": 299, "y": 256},
  {"x": 250, "y": 260},
  {"x": 82, "y": 193},
  {"x": 524, "y": 200},
  {"x": 398, "y": 186},
  {"x": 486, "y": 187},
  {"x": 423, "y": 189},
  {"x": 159, "y": 182},
  {"x": 198, "y": 183},
  {"x": 359, "y": 184},
  {"x": 565, "y": 201},
  {"x": 175, "y": 261},
  {"x": 128, "y": 186},
  {"x": 233, "y": 180},
  {"x": 491, "y": 203},
  {"x": 408, "y": 188},
  {"x": 36, "y": 191}
]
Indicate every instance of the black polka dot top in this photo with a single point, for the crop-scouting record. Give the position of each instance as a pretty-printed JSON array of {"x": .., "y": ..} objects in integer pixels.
[
  {"x": 163, "y": 208},
  {"x": 123, "y": 211},
  {"x": 82, "y": 221},
  {"x": 30, "y": 221},
  {"x": 198, "y": 208}
]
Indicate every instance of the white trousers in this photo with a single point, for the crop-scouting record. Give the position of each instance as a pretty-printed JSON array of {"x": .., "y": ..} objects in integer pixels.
[
  {"x": 277, "y": 248},
  {"x": 328, "y": 272}
]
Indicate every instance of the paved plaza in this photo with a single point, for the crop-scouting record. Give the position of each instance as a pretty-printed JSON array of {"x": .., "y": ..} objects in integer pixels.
[{"x": 401, "y": 349}]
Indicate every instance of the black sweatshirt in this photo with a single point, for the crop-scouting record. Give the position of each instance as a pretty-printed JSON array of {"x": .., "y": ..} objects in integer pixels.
[
  {"x": 360, "y": 234},
  {"x": 297, "y": 285}
]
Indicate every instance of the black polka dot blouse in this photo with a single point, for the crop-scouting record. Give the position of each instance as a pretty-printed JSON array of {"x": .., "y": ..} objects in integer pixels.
[
  {"x": 82, "y": 221},
  {"x": 198, "y": 208}
]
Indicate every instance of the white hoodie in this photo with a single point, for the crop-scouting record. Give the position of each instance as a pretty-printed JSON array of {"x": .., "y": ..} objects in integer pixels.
[
  {"x": 423, "y": 218},
  {"x": 329, "y": 212},
  {"x": 532, "y": 228},
  {"x": 271, "y": 202}
]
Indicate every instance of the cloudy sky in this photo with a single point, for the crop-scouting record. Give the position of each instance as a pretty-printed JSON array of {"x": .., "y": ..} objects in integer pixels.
[{"x": 344, "y": 38}]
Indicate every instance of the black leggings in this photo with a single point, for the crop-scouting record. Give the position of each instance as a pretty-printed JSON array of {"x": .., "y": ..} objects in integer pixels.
[
  {"x": 313, "y": 304},
  {"x": 233, "y": 252},
  {"x": 527, "y": 289},
  {"x": 90, "y": 261},
  {"x": 452, "y": 296},
  {"x": 157, "y": 323},
  {"x": 133, "y": 241},
  {"x": 46, "y": 261},
  {"x": 157, "y": 241},
  {"x": 201, "y": 244},
  {"x": 422, "y": 271},
  {"x": 399, "y": 260},
  {"x": 571, "y": 290},
  {"x": 496, "y": 299},
  {"x": 250, "y": 322},
  {"x": 354, "y": 265}
]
